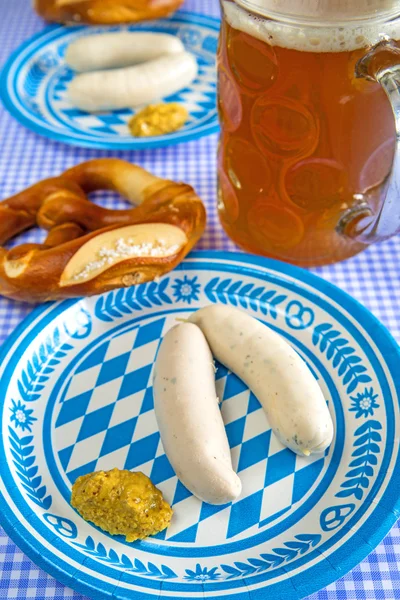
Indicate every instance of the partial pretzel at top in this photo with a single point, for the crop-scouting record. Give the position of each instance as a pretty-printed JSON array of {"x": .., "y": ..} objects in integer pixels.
[
  {"x": 105, "y": 11},
  {"x": 90, "y": 249}
]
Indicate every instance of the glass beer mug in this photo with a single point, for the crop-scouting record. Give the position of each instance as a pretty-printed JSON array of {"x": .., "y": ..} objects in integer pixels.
[{"x": 309, "y": 155}]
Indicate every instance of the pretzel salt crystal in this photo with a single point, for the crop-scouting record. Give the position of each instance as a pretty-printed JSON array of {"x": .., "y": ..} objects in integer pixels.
[{"x": 89, "y": 249}]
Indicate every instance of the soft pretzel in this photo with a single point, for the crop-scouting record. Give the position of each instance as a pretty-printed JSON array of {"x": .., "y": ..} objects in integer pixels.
[
  {"x": 105, "y": 11},
  {"x": 90, "y": 249}
]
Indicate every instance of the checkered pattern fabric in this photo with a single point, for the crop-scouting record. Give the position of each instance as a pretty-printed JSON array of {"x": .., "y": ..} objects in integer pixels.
[{"x": 372, "y": 277}]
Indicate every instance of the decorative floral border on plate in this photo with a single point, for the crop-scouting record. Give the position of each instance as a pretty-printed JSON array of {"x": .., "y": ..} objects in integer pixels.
[{"x": 329, "y": 341}]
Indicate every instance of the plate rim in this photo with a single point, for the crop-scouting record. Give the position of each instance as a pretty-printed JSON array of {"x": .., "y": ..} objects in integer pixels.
[
  {"x": 64, "y": 138},
  {"x": 383, "y": 516}
]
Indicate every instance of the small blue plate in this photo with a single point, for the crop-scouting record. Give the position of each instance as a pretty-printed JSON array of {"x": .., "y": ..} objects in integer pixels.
[
  {"x": 34, "y": 82},
  {"x": 76, "y": 396}
]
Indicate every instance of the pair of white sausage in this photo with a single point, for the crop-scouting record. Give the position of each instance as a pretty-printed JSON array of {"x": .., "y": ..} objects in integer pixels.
[
  {"x": 150, "y": 66},
  {"x": 187, "y": 409}
]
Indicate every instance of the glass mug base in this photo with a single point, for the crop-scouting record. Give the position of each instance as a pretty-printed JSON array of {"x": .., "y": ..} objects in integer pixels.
[
  {"x": 314, "y": 250},
  {"x": 313, "y": 261}
]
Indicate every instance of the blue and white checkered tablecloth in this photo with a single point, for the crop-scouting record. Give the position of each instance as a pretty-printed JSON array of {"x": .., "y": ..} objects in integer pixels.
[{"x": 373, "y": 278}]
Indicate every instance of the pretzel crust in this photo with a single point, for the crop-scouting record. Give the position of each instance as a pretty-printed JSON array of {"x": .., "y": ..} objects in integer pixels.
[
  {"x": 105, "y": 11},
  {"x": 36, "y": 272}
]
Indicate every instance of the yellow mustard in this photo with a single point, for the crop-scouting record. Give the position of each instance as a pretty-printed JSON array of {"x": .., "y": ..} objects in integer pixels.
[
  {"x": 158, "y": 119},
  {"x": 121, "y": 503}
]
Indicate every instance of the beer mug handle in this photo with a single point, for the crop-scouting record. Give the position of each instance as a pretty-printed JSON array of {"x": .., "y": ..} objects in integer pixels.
[{"x": 381, "y": 64}]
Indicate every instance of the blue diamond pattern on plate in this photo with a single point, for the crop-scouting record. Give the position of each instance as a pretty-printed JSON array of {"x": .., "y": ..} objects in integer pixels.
[
  {"x": 87, "y": 389},
  {"x": 111, "y": 422}
]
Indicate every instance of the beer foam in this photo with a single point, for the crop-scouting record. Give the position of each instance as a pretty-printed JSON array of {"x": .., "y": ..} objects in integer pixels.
[
  {"x": 310, "y": 38},
  {"x": 325, "y": 10}
]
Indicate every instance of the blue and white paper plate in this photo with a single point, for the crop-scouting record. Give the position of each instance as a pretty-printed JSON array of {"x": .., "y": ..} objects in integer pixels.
[
  {"x": 76, "y": 396},
  {"x": 34, "y": 83}
]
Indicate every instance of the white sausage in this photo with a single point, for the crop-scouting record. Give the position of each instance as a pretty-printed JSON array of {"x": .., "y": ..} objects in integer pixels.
[
  {"x": 119, "y": 49},
  {"x": 274, "y": 372},
  {"x": 189, "y": 418},
  {"x": 133, "y": 86}
]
